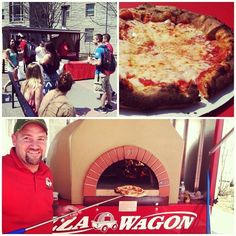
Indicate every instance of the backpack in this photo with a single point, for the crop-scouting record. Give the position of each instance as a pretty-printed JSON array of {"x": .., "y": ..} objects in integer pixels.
[
  {"x": 108, "y": 61},
  {"x": 29, "y": 49}
]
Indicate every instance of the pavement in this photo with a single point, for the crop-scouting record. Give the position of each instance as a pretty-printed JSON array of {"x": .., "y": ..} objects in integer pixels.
[
  {"x": 81, "y": 96},
  {"x": 222, "y": 222}
]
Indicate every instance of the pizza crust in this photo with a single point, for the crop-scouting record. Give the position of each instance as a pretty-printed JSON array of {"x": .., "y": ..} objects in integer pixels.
[
  {"x": 217, "y": 79},
  {"x": 157, "y": 98},
  {"x": 212, "y": 81}
]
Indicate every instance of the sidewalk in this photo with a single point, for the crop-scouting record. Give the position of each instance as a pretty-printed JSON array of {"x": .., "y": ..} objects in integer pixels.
[
  {"x": 222, "y": 222},
  {"x": 81, "y": 96}
]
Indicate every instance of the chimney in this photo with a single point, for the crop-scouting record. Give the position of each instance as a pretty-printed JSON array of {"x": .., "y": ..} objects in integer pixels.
[{"x": 64, "y": 10}]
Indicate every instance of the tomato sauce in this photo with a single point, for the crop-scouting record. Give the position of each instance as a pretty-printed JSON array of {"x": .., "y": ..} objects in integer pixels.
[
  {"x": 149, "y": 82},
  {"x": 216, "y": 55}
]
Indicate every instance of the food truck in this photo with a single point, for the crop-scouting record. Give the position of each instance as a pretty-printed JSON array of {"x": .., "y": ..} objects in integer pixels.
[
  {"x": 126, "y": 177},
  {"x": 152, "y": 163},
  {"x": 67, "y": 44},
  {"x": 58, "y": 36}
]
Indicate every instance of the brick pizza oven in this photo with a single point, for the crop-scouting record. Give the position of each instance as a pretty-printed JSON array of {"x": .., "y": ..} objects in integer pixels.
[{"x": 89, "y": 158}]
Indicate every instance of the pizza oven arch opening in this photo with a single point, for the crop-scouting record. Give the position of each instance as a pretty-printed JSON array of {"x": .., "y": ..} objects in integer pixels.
[
  {"x": 99, "y": 172},
  {"x": 128, "y": 172}
]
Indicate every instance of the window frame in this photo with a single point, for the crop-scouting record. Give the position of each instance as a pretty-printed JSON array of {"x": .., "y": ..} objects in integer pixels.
[
  {"x": 88, "y": 11},
  {"x": 88, "y": 38},
  {"x": 13, "y": 17}
]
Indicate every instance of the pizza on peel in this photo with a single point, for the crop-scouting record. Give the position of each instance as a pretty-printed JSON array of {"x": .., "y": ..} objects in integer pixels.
[
  {"x": 130, "y": 191},
  {"x": 170, "y": 58}
]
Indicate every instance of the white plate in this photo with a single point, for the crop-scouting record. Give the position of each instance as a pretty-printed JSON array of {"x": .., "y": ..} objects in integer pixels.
[{"x": 199, "y": 109}]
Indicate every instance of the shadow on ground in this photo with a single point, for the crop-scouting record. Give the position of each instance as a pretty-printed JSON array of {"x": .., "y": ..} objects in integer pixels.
[{"x": 82, "y": 111}]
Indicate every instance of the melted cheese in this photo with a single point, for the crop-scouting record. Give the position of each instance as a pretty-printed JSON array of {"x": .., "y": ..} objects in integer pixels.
[{"x": 163, "y": 52}]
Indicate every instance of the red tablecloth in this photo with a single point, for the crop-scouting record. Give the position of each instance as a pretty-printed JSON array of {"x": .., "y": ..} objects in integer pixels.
[
  {"x": 80, "y": 70},
  {"x": 226, "y": 110},
  {"x": 224, "y": 11}
]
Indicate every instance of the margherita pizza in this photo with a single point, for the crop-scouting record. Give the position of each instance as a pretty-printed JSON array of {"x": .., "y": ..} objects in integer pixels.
[
  {"x": 171, "y": 57},
  {"x": 130, "y": 191}
]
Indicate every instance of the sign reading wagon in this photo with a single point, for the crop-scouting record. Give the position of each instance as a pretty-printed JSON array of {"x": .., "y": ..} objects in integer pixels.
[{"x": 148, "y": 220}]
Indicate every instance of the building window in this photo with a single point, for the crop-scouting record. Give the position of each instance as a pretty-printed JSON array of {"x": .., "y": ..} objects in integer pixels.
[
  {"x": 16, "y": 11},
  {"x": 3, "y": 16},
  {"x": 90, "y": 9},
  {"x": 65, "y": 10},
  {"x": 88, "y": 34}
]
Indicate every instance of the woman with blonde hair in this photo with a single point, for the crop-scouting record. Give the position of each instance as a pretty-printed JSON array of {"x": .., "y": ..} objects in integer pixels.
[{"x": 32, "y": 87}]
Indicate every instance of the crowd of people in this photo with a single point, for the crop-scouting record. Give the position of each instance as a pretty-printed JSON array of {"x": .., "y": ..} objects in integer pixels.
[
  {"x": 45, "y": 87},
  {"x": 41, "y": 63}
]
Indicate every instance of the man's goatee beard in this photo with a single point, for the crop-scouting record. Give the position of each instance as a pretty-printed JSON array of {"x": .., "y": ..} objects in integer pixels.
[{"x": 31, "y": 161}]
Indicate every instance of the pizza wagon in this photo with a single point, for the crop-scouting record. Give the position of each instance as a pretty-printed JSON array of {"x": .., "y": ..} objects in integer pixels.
[
  {"x": 130, "y": 185},
  {"x": 106, "y": 221}
]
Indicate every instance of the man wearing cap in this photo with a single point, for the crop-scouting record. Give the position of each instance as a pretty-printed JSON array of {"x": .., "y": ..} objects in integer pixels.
[
  {"x": 27, "y": 184},
  {"x": 23, "y": 48}
]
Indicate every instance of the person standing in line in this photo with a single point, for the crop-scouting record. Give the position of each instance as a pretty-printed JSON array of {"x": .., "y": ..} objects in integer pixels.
[
  {"x": 32, "y": 87},
  {"x": 50, "y": 63},
  {"x": 32, "y": 52},
  {"x": 106, "y": 40},
  {"x": 27, "y": 182},
  {"x": 40, "y": 51},
  {"x": 55, "y": 103},
  {"x": 101, "y": 80},
  {"x": 11, "y": 56},
  {"x": 23, "y": 50}
]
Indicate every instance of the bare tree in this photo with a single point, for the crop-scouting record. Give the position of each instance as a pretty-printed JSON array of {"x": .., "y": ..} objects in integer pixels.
[
  {"x": 43, "y": 14},
  {"x": 226, "y": 173},
  {"x": 111, "y": 7}
]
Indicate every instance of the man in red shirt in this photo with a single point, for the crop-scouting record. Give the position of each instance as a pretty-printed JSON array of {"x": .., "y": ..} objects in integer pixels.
[
  {"x": 23, "y": 48},
  {"x": 106, "y": 40},
  {"x": 27, "y": 184}
]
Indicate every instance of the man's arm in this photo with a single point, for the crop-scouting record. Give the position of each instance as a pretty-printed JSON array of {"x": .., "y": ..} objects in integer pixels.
[
  {"x": 95, "y": 62},
  {"x": 45, "y": 59},
  {"x": 63, "y": 210}
]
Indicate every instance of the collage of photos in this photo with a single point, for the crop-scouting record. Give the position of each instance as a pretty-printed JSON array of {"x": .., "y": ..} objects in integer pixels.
[{"x": 117, "y": 117}]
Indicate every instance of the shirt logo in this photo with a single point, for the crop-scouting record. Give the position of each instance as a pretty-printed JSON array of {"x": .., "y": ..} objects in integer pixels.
[{"x": 48, "y": 182}]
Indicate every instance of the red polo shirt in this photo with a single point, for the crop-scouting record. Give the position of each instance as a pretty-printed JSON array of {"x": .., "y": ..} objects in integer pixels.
[
  {"x": 22, "y": 46},
  {"x": 27, "y": 197}
]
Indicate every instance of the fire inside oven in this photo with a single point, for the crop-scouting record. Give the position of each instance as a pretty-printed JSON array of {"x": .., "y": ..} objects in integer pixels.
[{"x": 128, "y": 172}]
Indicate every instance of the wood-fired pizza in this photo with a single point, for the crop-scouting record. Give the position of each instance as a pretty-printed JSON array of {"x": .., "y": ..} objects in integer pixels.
[
  {"x": 130, "y": 191},
  {"x": 170, "y": 57}
]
